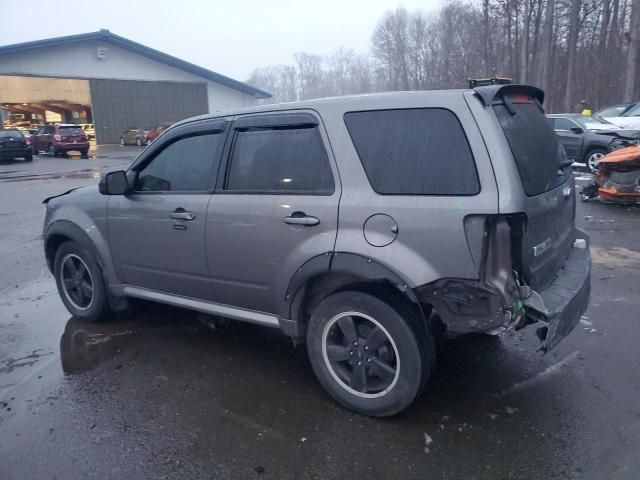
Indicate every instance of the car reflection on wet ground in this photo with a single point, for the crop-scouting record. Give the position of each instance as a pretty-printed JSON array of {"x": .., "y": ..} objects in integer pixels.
[{"x": 161, "y": 392}]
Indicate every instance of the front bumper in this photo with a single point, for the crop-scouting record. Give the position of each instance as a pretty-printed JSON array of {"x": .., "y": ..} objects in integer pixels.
[{"x": 557, "y": 309}]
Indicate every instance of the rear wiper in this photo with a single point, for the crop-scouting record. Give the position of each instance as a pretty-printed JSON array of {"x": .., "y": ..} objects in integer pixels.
[{"x": 563, "y": 166}]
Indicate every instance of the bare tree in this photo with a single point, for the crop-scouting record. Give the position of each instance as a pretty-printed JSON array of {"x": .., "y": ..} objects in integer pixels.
[{"x": 632, "y": 51}]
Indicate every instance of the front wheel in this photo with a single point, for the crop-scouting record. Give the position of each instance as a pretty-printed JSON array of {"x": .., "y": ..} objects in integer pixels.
[
  {"x": 80, "y": 283},
  {"x": 371, "y": 356},
  {"x": 29, "y": 158},
  {"x": 593, "y": 158}
]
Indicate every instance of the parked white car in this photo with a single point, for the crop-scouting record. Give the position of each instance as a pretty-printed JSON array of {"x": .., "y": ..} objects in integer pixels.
[{"x": 625, "y": 115}]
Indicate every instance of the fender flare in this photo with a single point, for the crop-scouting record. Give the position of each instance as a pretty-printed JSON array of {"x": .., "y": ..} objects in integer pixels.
[
  {"x": 362, "y": 267},
  {"x": 77, "y": 234}
]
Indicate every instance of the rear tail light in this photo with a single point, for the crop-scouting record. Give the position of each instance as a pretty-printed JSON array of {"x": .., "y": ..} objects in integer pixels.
[{"x": 57, "y": 138}]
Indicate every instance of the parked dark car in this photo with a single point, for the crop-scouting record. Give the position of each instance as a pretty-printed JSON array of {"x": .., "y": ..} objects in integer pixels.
[
  {"x": 135, "y": 136},
  {"x": 14, "y": 144},
  {"x": 587, "y": 139},
  {"x": 61, "y": 138},
  {"x": 339, "y": 222}
]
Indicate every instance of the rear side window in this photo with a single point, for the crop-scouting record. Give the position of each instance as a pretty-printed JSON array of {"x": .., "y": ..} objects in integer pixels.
[
  {"x": 280, "y": 160},
  {"x": 533, "y": 143},
  {"x": 414, "y": 152},
  {"x": 186, "y": 165}
]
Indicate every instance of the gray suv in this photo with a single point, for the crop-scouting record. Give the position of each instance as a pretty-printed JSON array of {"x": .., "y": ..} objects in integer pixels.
[{"x": 361, "y": 226}]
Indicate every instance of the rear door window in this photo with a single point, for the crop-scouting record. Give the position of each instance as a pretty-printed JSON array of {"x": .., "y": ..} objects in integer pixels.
[
  {"x": 414, "y": 151},
  {"x": 279, "y": 161},
  {"x": 534, "y": 144}
]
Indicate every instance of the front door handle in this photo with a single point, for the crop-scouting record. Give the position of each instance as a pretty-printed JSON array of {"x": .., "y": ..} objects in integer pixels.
[
  {"x": 182, "y": 214},
  {"x": 300, "y": 218}
]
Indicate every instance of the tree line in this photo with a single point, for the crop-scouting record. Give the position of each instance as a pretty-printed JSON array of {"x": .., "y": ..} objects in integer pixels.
[{"x": 573, "y": 49}]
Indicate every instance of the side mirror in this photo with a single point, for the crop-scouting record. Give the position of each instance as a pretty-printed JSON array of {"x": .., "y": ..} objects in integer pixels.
[
  {"x": 114, "y": 183},
  {"x": 577, "y": 130}
]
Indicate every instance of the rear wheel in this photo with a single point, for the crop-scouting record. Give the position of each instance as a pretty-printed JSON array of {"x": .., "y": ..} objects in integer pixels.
[
  {"x": 593, "y": 157},
  {"x": 29, "y": 158},
  {"x": 79, "y": 281},
  {"x": 371, "y": 356},
  {"x": 84, "y": 153}
]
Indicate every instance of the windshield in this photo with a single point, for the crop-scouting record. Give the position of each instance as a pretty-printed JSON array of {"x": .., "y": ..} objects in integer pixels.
[
  {"x": 595, "y": 123},
  {"x": 634, "y": 112},
  {"x": 10, "y": 133},
  {"x": 533, "y": 143}
]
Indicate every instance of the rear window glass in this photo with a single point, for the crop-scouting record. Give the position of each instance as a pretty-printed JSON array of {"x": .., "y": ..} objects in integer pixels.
[
  {"x": 10, "y": 133},
  {"x": 533, "y": 143},
  {"x": 414, "y": 152},
  {"x": 70, "y": 130}
]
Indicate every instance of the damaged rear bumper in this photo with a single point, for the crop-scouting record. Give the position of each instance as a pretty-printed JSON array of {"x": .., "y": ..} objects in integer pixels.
[{"x": 557, "y": 309}]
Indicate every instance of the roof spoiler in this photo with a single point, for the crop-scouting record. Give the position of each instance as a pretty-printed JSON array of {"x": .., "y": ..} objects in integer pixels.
[{"x": 489, "y": 93}]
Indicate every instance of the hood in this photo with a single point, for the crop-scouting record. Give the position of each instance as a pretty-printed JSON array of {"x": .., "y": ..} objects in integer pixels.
[{"x": 48, "y": 199}]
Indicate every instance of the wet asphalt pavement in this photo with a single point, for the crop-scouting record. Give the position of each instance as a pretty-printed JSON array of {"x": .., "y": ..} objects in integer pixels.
[{"x": 166, "y": 393}]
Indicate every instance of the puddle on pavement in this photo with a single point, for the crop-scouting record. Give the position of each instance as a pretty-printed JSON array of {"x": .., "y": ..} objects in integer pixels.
[{"x": 85, "y": 173}]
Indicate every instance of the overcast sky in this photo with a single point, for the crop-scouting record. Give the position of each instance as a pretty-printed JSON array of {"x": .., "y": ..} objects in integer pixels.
[{"x": 231, "y": 38}]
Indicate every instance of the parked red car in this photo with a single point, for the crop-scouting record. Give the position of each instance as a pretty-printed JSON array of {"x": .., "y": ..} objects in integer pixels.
[
  {"x": 60, "y": 138},
  {"x": 155, "y": 133}
]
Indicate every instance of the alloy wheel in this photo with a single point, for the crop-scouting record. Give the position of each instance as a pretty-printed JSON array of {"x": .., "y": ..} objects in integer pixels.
[
  {"x": 594, "y": 158},
  {"x": 76, "y": 281},
  {"x": 360, "y": 354}
]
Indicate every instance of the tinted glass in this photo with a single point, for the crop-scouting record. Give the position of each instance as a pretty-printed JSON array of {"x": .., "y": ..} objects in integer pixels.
[
  {"x": 280, "y": 161},
  {"x": 184, "y": 165},
  {"x": 633, "y": 112},
  {"x": 533, "y": 143},
  {"x": 414, "y": 152},
  {"x": 563, "y": 124},
  {"x": 71, "y": 130},
  {"x": 10, "y": 133}
]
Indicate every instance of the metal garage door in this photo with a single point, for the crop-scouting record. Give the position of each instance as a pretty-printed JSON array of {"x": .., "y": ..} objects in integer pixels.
[{"x": 121, "y": 104}]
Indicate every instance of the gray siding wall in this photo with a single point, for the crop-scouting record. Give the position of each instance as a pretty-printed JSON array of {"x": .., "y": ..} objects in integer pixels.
[{"x": 121, "y": 104}]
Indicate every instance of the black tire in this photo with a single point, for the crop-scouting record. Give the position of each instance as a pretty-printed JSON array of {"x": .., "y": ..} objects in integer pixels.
[
  {"x": 84, "y": 153},
  {"x": 408, "y": 349},
  {"x": 590, "y": 159},
  {"x": 93, "y": 310},
  {"x": 28, "y": 158},
  {"x": 52, "y": 151}
]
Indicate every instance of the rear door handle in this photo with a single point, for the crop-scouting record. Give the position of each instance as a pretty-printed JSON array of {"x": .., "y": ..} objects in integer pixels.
[
  {"x": 300, "y": 218},
  {"x": 182, "y": 214}
]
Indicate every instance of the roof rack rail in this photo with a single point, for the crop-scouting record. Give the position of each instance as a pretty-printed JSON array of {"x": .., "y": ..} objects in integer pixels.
[{"x": 484, "y": 82}]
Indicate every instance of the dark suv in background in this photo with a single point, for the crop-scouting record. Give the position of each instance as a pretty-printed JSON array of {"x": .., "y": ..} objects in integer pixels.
[
  {"x": 361, "y": 226},
  {"x": 14, "y": 144},
  {"x": 587, "y": 139},
  {"x": 59, "y": 139}
]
